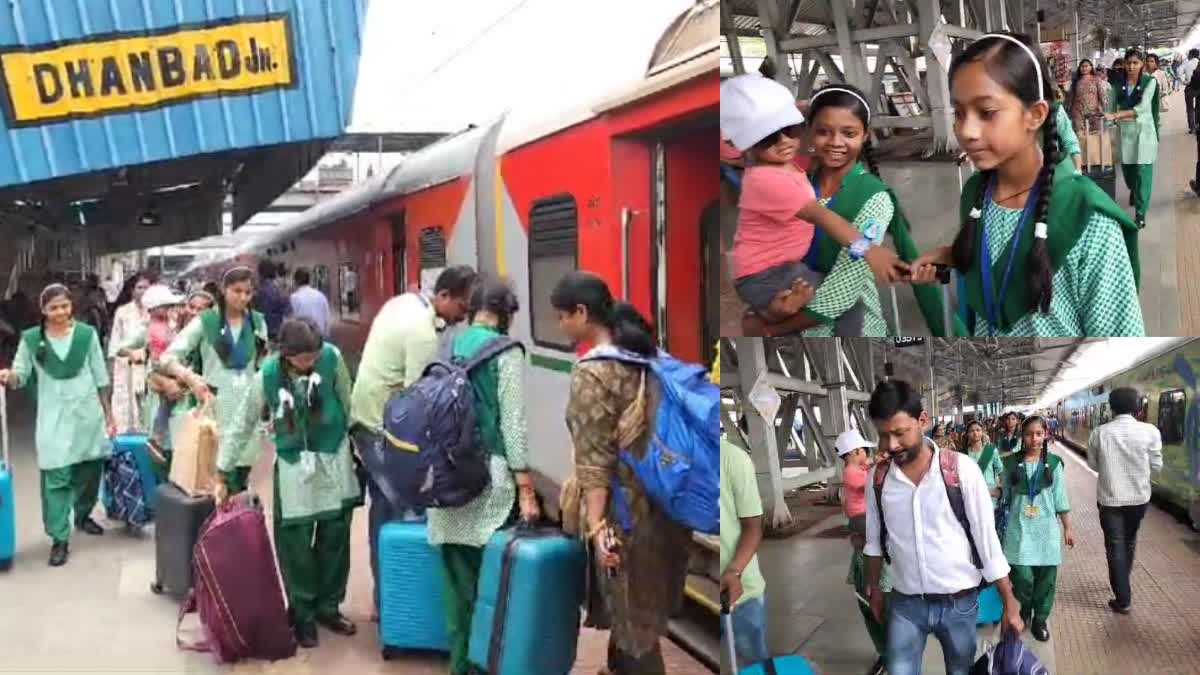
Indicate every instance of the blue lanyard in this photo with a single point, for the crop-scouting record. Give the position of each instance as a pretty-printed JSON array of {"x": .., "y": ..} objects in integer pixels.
[
  {"x": 811, "y": 258},
  {"x": 1033, "y": 482},
  {"x": 990, "y": 307}
]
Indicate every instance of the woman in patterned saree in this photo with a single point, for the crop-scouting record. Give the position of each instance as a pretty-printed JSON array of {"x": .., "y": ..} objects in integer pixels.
[{"x": 643, "y": 569}]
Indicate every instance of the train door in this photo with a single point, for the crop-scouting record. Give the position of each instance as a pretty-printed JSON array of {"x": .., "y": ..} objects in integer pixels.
[
  {"x": 684, "y": 187},
  {"x": 399, "y": 253}
]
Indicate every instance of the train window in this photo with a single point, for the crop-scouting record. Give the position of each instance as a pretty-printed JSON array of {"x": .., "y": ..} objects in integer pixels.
[
  {"x": 433, "y": 256},
  {"x": 320, "y": 279},
  {"x": 553, "y": 238},
  {"x": 1172, "y": 412},
  {"x": 1143, "y": 409},
  {"x": 349, "y": 299}
]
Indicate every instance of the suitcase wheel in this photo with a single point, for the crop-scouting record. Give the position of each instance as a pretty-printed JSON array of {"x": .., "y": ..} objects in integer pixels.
[
  {"x": 6, "y": 564},
  {"x": 156, "y": 588},
  {"x": 390, "y": 653}
]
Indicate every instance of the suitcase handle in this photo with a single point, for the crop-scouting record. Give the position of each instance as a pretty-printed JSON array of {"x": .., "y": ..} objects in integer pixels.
[
  {"x": 4, "y": 426},
  {"x": 727, "y": 626}
]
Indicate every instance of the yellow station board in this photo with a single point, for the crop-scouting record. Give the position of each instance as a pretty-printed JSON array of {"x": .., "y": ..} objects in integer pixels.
[{"x": 118, "y": 73}]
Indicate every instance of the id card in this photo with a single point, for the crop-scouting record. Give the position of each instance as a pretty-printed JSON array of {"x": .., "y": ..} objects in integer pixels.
[{"x": 1032, "y": 510}]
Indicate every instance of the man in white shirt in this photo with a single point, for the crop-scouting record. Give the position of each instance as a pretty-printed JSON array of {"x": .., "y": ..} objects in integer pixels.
[
  {"x": 1123, "y": 453},
  {"x": 935, "y": 579}
]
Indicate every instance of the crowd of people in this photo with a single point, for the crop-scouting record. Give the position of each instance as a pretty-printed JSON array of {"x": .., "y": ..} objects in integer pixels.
[
  {"x": 1042, "y": 249},
  {"x": 261, "y": 360},
  {"x": 940, "y": 516}
]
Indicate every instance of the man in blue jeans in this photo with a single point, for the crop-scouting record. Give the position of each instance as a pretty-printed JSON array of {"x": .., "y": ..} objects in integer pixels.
[
  {"x": 936, "y": 564},
  {"x": 741, "y": 533}
]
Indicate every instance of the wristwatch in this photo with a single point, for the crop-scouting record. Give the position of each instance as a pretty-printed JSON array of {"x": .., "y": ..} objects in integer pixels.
[{"x": 858, "y": 248}]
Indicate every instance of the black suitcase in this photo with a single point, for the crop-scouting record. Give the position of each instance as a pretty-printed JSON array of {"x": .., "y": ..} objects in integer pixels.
[
  {"x": 179, "y": 518},
  {"x": 1104, "y": 175}
]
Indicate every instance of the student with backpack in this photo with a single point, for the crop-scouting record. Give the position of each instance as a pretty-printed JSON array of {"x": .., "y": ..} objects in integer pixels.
[
  {"x": 642, "y": 568},
  {"x": 303, "y": 390},
  {"x": 1036, "y": 496},
  {"x": 403, "y": 340},
  {"x": 63, "y": 359},
  {"x": 462, "y": 532},
  {"x": 232, "y": 341},
  {"x": 937, "y": 568},
  {"x": 1043, "y": 251}
]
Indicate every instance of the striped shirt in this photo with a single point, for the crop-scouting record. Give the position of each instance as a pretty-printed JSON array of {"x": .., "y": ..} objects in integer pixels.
[{"x": 1124, "y": 452}]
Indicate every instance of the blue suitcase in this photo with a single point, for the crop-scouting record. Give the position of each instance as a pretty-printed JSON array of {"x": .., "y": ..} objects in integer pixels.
[
  {"x": 990, "y": 606},
  {"x": 135, "y": 444},
  {"x": 8, "y": 536},
  {"x": 410, "y": 590},
  {"x": 527, "y": 608}
]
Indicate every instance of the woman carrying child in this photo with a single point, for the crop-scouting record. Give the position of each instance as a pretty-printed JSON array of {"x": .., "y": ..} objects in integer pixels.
[{"x": 778, "y": 207}]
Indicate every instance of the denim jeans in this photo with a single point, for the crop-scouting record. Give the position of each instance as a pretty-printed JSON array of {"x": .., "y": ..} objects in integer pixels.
[
  {"x": 1120, "y": 525},
  {"x": 749, "y": 632},
  {"x": 911, "y": 619}
]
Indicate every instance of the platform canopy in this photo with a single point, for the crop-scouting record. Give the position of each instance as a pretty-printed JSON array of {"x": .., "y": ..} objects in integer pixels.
[{"x": 130, "y": 123}]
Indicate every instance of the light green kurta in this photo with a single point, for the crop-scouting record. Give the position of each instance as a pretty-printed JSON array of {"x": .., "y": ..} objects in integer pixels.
[
  {"x": 473, "y": 523},
  {"x": 851, "y": 281},
  {"x": 991, "y": 474},
  {"x": 402, "y": 341},
  {"x": 70, "y": 420},
  {"x": 318, "y": 485},
  {"x": 1066, "y": 133},
  {"x": 1137, "y": 141},
  {"x": 237, "y": 443},
  {"x": 1093, "y": 290},
  {"x": 1036, "y": 541}
]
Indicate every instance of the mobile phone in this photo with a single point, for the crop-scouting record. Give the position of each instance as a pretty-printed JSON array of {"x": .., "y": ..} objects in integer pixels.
[{"x": 942, "y": 272}]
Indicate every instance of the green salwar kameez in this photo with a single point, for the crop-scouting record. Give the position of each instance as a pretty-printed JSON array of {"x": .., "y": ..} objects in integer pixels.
[
  {"x": 314, "y": 483},
  {"x": 1033, "y": 543},
  {"x": 1137, "y": 146},
  {"x": 71, "y": 436}
]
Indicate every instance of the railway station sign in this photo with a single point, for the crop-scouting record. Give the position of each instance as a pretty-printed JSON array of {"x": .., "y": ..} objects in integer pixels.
[
  {"x": 119, "y": 72},
  {"x": 908, "y": 341}
]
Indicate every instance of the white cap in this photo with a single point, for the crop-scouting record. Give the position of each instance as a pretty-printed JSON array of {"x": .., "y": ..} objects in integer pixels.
[
  {"x": 754, "y": 107},
  {"x": 159, "y": 295},
  {"x": 849, "y": 441}
]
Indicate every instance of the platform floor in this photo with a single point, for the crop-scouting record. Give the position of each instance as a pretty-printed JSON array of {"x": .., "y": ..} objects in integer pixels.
[
  {"x": 97, "y": 615},
  {"x": 1169, "y": 249},
  {"x": 813, "y": 611}
]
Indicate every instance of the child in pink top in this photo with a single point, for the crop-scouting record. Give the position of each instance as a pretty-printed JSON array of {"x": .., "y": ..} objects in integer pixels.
[{"x": 855, "y": 452}]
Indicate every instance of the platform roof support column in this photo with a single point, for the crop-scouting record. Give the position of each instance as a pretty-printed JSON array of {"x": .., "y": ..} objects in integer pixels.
[
  {"x": 929, "y": 13},
  {"x": 850, "y": 51},
  {"x": 835, "y": 413},
  {"x": 772, "y": 17},
  {"x": 731, "y": 38},
  {"x": 764, "y": 447}
]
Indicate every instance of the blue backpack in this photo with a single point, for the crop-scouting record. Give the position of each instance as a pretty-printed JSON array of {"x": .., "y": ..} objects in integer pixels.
[
  {"x": 433, "y": 456},
  {"x": 681, "y": 470}
]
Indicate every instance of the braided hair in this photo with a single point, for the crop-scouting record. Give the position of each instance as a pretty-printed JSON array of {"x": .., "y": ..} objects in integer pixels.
[
  {"x": 1010, "y": 66},
  {"x": 824, "y": 98}
]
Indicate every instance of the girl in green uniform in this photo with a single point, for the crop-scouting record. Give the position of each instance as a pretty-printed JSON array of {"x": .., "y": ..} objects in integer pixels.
[
  {"x": 986, "y": 455},
  {"x": 232, "y": 340},
  {"x": 462, "y": 532},
  {"x": 847, "y": 182},
  {"x": 74, "y": 422},
  {"x": 304, "y": 390},
  {"x": 1042, "y": 249},
  {"x": 1037, "y": 501},
  {"x": 1134, "y": 108}
]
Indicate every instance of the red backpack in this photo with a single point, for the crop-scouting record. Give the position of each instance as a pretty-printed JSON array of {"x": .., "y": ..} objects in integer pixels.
[{"x": 948, "y": 463}]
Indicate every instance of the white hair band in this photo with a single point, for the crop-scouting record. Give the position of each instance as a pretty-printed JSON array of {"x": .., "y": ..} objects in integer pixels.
[
  {"x": 844, "y": 91},
  {"x": 1040, "y": 230},
  {"x": 1033, "y": 57}
]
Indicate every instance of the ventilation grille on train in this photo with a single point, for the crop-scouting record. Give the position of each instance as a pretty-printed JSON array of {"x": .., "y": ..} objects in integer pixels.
[
  {"x": 553, "y": 224},
  {"x": 433, "y": 248}
]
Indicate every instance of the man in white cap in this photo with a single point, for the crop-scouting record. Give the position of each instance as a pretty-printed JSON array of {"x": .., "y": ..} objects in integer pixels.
[{"x": 855, "y": 451}]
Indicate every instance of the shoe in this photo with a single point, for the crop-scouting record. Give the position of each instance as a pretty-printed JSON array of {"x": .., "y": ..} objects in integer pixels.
[
  {"x": 306, "y": 635},
  {"x": 879, "y": 668},
  {"x": 1141, "y": 223},
  {"x": 1119, "y": 609},
  {"x": 59, "y": 553},
  {"x": 339, "y": 624},
  {"x": 89, "y": 526},
  {"x": 1040, "y": 632}
]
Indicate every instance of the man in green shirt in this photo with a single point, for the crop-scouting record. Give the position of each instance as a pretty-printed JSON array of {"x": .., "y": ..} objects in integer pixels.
[
  {"x": 741, "y": 533},
  {"x": 402, "y": 341}
]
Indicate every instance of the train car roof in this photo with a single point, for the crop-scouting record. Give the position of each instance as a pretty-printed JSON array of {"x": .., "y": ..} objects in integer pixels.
[{"x": 686, "y": 49}]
